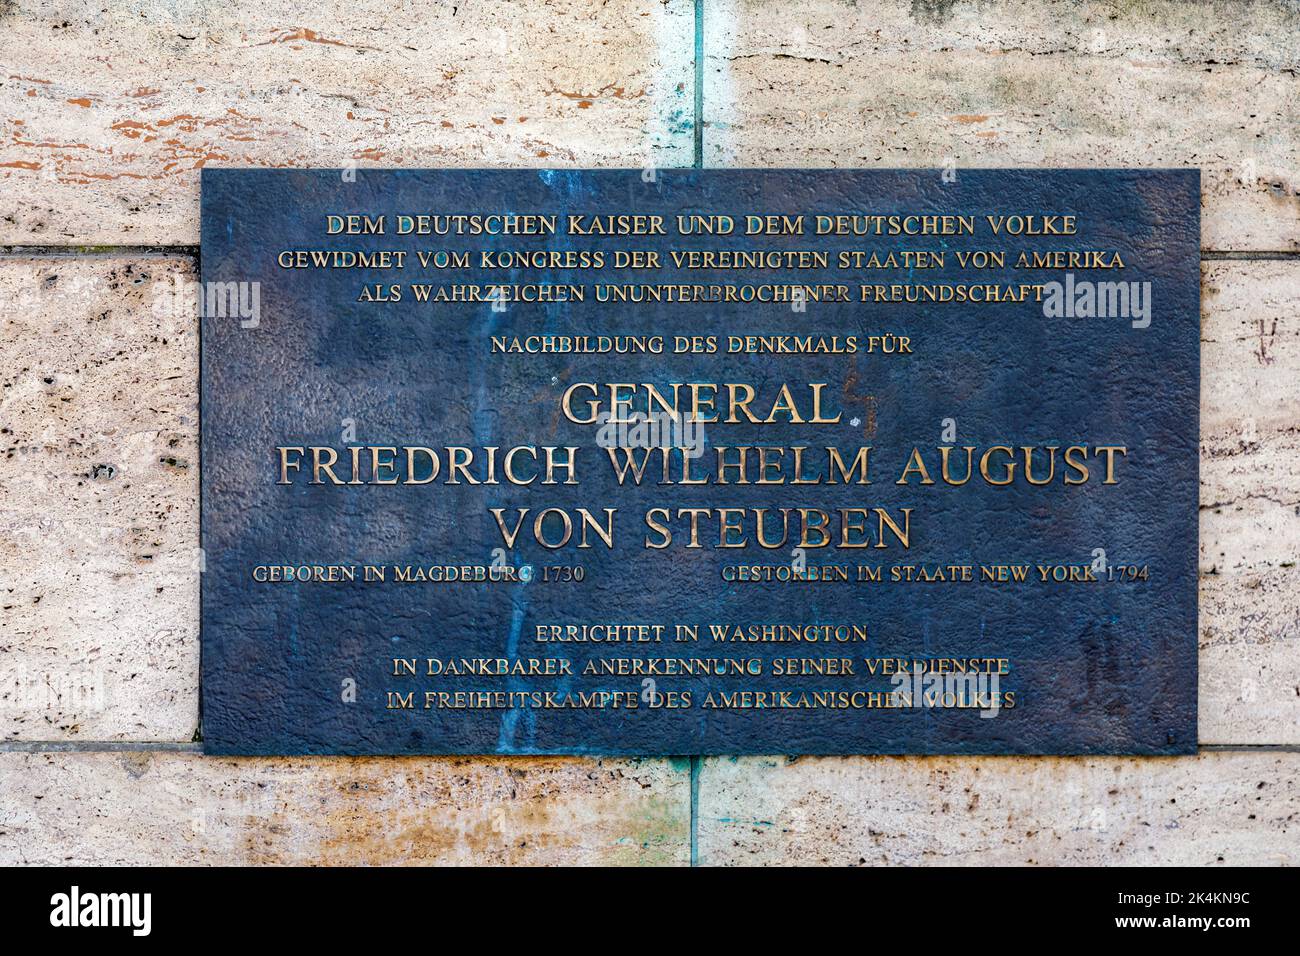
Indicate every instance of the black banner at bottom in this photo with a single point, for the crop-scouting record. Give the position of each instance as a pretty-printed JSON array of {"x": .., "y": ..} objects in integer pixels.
[{"x": 338, "y": 906}]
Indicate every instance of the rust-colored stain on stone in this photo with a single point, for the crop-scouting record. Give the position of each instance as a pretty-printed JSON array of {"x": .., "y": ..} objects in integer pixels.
[
  {"x": 610, "y": 89},
  {"x": 481, "y": 810},
  {"x": 131, "y": 128},
  {"x": 310, "y": 36},
  {"x": 622, "y": 56}
]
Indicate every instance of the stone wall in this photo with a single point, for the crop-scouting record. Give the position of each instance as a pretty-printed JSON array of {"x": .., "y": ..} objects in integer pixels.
[{"x": 108, "y": 112}]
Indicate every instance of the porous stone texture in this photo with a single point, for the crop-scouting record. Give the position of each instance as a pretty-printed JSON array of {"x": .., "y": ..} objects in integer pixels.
[
  {"x": 1216, "y": 809},
  {"x": 1250, "y": 503},
  {"x": 99, "y": 529},
  {"x": 109, "y": 110},
  {"x": 904, "y": 83},
  {"x": 170, "y": 808}
]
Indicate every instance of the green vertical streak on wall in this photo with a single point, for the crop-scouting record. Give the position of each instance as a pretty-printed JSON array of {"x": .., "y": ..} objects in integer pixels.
[
  {"x": 699, "y": 164},
  {"x": 695, "y": 811},
  {"x": 699, "y": 84}
]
